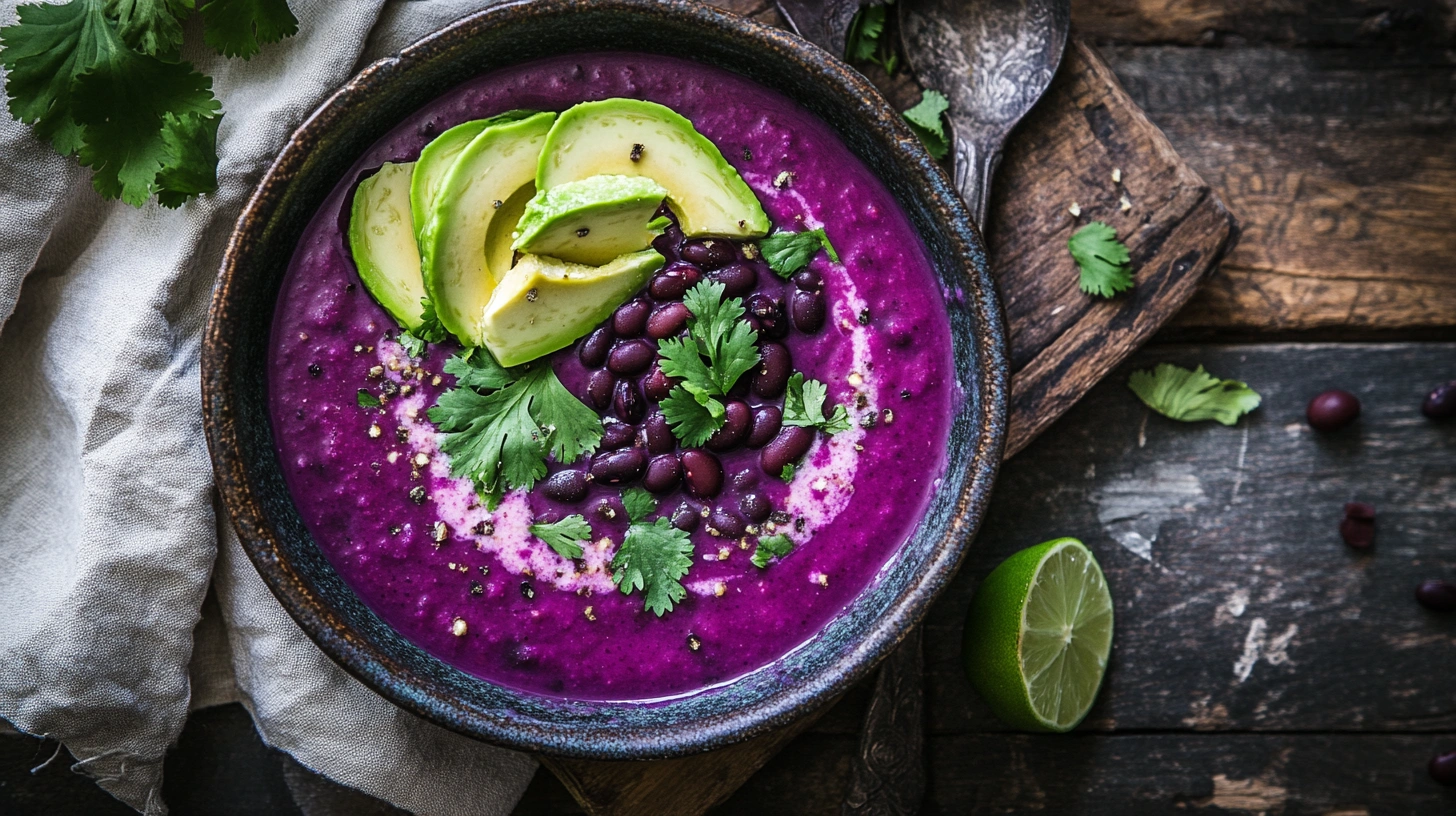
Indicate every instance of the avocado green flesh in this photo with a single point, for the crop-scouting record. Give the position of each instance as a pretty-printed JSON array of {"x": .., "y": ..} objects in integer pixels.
[
  {"x": 433, "y": 166},
  {"x": 459, "y": 272},
  {"x": 591, "y": 221},
  {"x": 498, "y": 250},
  {"x": 599, "y": 138},
  {"x": 544, "y": 304},
  {"x": 382, "y": 240}
]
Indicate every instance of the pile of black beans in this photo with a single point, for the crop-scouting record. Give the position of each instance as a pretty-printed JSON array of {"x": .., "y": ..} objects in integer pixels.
[{"x": 638, "y": 446}]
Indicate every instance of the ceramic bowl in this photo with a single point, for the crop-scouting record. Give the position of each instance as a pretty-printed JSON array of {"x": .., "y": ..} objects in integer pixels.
[{"x": 251, "y": 484}]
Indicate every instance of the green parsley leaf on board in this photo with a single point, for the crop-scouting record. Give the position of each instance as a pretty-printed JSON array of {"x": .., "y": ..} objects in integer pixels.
[
  {"x": 1102, "y": 259},
  {"x": 653, "y": 558},
  {"x": 367, "y": 399},
  {"x": 1193, "y": 396},
  {"x": 925, "y": 120},
  {"x": 788, "y": 252},
  {"x": 787, "y": 474},
  {"x": 153, "y": 27},
  {"x": 692, "y": 414},
  {"x": 639, "y": 504},
  {"x": 804, "y": 406},
  {"x": 564, "y": 536},
  {"x": 239, "y": 28},
  {"x": 774, "y": 546}
]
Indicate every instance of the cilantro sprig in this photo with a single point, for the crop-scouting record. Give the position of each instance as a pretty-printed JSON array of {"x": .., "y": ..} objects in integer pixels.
[
  {"x": 804, "y": 406},
  {"x": 720, "y": 347},
  {"x": 1102, "y": 260},
  {"x": 430, "y": 330},
  {"x": 788, "y": 252},
  {"x": 101, "y": 80},
  {"x": 564, "y": 536},
  {"x": 774, "y": 546},
  {"x": 1193, "y": 396},
  {"x": 653, "y": 558},
  {"x": 498, "y": 425},
  {"x": 866, "y": 40},
  {"x": 925, "y": 120}
]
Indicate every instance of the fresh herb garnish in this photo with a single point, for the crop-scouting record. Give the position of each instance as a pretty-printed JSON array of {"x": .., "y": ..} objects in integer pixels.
[
  {"x": 925, "y": 120},
  {"x": 787, "y": 474},
  {"x": 1192, "y": 396},
  {"x": 788, "y": 252},
  {"x": 866, "y": 42},
  {"x": 564, "y": 536},
  {"x": 639, "y": 504},
  {"x": 367, "y": 399},
  {"x": 719, "y": 348},
  {"x": 804, "y": 406},
  {"x": 652, "y": 558},
  {"x": 100, "y": 79},
  {"x": 1102, "y": 259},
  {"x": 430, "y": 330},
  {"x": 501, "y": 439},
  {"x": 774, "y": 546}
]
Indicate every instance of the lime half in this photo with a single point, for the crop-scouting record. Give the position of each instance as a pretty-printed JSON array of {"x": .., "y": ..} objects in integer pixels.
[{"x": 1038, "y": 636}]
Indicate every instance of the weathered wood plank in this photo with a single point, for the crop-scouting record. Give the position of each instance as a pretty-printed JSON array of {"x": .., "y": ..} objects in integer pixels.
[{"x": 1379, "y": 23}]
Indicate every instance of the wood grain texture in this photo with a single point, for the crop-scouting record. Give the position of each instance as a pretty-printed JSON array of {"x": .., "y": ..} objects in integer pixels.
[{"x": 1344, "y": 23}]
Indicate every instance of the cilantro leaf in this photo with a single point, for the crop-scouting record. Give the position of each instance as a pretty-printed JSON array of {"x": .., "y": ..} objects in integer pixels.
[
  {"x": 152, "y": 27},
  {"x": 787, "y": 474},
  {"x": 430, "y": 330},
  {"x": 774, "y": 546},
  {"x": 1102, "y": 259},
  {"x": 1192, "y": 396},
  {"x": 189, "y": 158},
  {"x": 43, "y": 53},
  {"x": 693, "y": 415},
  {"x": 476, "y": 368},
  {"x": 367, "y": 399},
  {"x": 682, "y": 359},
  {"x": 564, "y": 536},
  {"x": 788, "y": 252},
  {"x": 239, "y": 28},
  {"x": 866, "y": 40},
  {"x": 925, "y": 120},
  {"x": 652, "y": 558},
  {"x": 804, "y": 406},
  {"x": 639, "y": 504},
  {"x": 571, "y": 428}
]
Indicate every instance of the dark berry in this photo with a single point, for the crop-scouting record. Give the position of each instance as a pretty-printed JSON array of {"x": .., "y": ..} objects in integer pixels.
[{"x": 1332, "y": 410}]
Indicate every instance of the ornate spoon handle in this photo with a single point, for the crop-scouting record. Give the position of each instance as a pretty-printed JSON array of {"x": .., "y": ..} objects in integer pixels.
[{"x": 889, "y": 778}]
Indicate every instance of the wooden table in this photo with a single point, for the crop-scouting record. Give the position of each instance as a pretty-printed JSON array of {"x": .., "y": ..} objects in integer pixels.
[{"x": 1259, "y": 665}]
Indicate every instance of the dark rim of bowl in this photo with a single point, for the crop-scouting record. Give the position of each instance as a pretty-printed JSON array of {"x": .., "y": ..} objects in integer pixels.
[{"x": 249, "y": 478}]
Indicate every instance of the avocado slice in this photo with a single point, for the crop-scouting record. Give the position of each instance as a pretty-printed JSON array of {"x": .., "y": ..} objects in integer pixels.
[
  {"x": 382, "y": 240},
  {"x": 439, "y": 156},
  {"x": 460, "y": 270},
  {"x": 630, "y": 137},
  {"x": 543, "y": 304},
  {"x": 591, "y": 221}
]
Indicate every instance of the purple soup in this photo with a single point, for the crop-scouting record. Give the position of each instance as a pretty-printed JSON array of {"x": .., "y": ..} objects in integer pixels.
[{"x": 471, "y": 585}]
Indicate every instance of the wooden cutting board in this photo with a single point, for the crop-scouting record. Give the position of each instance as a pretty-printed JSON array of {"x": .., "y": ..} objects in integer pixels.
[{"x": 1083, "y": 133}]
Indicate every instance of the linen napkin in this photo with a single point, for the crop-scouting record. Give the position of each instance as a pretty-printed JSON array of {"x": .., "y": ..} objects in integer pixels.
[{"x": 108, "y": 534}]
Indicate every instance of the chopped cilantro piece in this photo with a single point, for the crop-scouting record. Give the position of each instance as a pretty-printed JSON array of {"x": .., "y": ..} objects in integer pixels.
[
  {"x": 430, "y": 330},
  {"x": 693, "y": 415},
  {"x": 1102, "y": 259},
  {"x": 151, "y": 26},
  {"x": 367, "y": 400},
  {"x": 787, "y": 474},
  {"x": 804, "y": 406},
  {"x": 774, "y": 546},
  {"x": 720, "y": 348},
  {"x": 1192, "y": 396},
  {"x": 925, "y": 120},
  {"x": 788, "y": 252},
  {"x": 652, "y": 558},
  {"x": 239, "y": 28},
  {"x": 564, "y": 536},
  {"x": 639, "y": 504}
]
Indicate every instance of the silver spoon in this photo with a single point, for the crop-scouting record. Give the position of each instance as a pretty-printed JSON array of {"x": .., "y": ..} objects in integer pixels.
[{"x": 993, "y": 59}]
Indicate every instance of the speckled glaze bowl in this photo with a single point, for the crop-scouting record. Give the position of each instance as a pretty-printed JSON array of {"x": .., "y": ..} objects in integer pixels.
[{"x": 251, "y": 483}]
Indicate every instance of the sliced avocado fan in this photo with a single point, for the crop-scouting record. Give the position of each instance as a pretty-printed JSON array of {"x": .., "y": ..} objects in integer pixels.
[
  {"x": 591, "y": 221},
  {"x": 630, "y": 137},
  {"x": 544, "y": 304},
  {"x": 382, "y": 240},
  {"x": 439, "y": 156}
]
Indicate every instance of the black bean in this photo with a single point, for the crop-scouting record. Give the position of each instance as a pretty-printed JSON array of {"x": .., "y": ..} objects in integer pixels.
[
  {"x": 1443, "y": 768},
  {"x": 658, "y": 434},
  {"x": 745, "y": 479},
  {"x": 808, "y": 311},
  {"x": 775, "y": 364},
  {"x": 566, "y": 486},
  {"x": 668, "y": 243},
  {"x": 663, "y": 473},
  {"x": 674, "y": 281},
  {"x": 617, "y": 435},
  {"x": 657, "y": 385},
  {"x": 593, "y": 349},
  {"x": 630, "y": 318},
  {"x": 1437, "y": 595},
  {"x": 702, "y": 472},
  {"x": 755, "y": 506},
  {"x": 618, "y": 467},
  {"x": 1332, "y": 410},
  {"x": 728, "y": 523},
  {"x": 631, "y": 357},
  {"x": 599, "y": 388},
  {"x": 788, "y": 447},
  {"x": 627, "y": 401},
  {"x": 1441, "y": 403},
  {"x": 736, "y": 419},
  {"x": 807, "y": 280},
  {"x": 710, "y": 253},
  {"x": 769, "y": 316},
  {"x": 766, "y": 422},
  {"x": 667, "y": 320},
  {"x": 1357, "y": 528},
  {"x": 738, "y": 279},
  {"x": 686, "y": 517}
]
